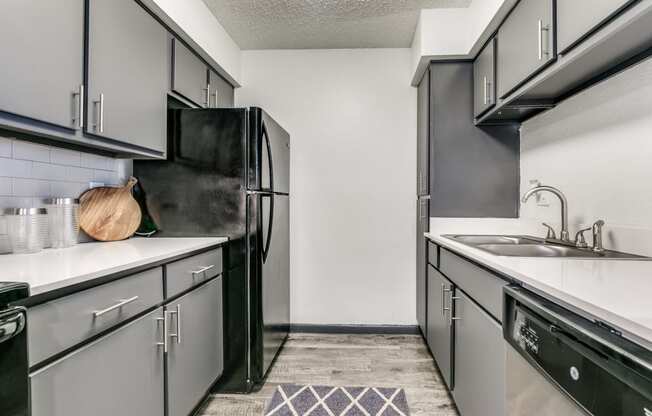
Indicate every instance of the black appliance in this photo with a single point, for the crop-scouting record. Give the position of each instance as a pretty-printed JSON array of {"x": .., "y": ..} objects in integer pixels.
[
  {"x": 14, "y": 381},
  {"x": 227, "y": 174},
  {"x": 590, "y": 368}
]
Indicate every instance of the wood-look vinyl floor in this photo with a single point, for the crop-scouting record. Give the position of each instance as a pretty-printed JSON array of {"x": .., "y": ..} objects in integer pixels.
[{"x": 348, "y": 360}]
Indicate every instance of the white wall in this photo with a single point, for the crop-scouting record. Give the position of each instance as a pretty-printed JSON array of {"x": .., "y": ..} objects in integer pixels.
[
  {"x": 597, "y": 148},
  {"x": 352, "y": 118},
  {"x": 201, "y": 29}
]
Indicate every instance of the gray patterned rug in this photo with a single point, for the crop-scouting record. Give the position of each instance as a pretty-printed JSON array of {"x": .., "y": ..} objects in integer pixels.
[{"x": 294, "y": 400}]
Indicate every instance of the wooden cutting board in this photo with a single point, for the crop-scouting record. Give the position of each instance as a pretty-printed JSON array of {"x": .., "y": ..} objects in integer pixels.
[{"x": 109, "y": 213}]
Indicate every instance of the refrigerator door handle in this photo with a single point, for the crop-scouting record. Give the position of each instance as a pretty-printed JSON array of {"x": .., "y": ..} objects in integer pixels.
[
  {"x": 270, "y": 227},
  {"x": 269, "y": 156}
]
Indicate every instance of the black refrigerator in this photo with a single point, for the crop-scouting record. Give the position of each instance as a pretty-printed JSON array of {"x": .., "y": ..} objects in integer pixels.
[{"x": 227, "y": 174}]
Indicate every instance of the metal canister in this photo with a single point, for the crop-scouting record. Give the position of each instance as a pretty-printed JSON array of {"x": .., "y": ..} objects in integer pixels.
[
  {"x": 27, "y": 229},
  {"x": 63, "y": 220}
]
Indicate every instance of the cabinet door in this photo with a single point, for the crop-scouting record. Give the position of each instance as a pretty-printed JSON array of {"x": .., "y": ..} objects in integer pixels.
[
  {"x": 127, "y": 74},
  {"x": 119, "y": 374},
  {"x": 189, "y": 75},
  {"x": 440, "y": 330},
  {"x": 41, "y": 50},
  {"x": 422, "y": 252},
  {"x": 195, "y": 356},
  {"x": 423, "y": 135},
  {"x": 577, "y": 18},
  {"x": 525, "y": 43},
  {"x": 222, "y": 93},
  {"x": 484, "y": 83},
  {"x": 479, "y": 360}
]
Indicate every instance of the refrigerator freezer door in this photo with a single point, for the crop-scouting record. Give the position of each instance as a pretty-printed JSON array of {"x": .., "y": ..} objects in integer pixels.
[{"x": 269, "y": 154}]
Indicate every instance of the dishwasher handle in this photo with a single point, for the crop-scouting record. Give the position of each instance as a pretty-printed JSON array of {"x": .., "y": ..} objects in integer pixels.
[{"x": 12, "y": 323}]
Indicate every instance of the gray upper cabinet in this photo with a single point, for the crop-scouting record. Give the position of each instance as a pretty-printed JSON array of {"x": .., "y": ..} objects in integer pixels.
[
  {"x": 222, "y": 94},
  {"x": 127, "y": 74},
  {"x": 189, "y": 75},
  {"x": 41, "y": 50},
  {"x": 577, "y": 18},
  {"x": 119, "y": 374},
  {"x": 440, "y": 333},
  {"x": 484, "y": 81},
  {"x": 195, "y": 356},
  {"x": 479, "y": 360},
  {"x": 423, "y": 135},
  {"x": 525, "y": 43}
]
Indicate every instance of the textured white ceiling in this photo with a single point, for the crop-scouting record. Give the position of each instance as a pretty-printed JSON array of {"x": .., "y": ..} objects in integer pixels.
[{"x": 323, "y": 24}]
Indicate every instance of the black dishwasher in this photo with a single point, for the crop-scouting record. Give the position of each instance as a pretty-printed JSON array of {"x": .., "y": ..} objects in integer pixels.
[
  {"x": 14, "y": 381},
  {"x": 592, "y": 369}
]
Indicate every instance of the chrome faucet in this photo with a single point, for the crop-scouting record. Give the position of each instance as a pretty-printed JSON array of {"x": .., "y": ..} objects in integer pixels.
[
  {"x": 597, "y": 236},
  {"x": 564, "y": 235}
]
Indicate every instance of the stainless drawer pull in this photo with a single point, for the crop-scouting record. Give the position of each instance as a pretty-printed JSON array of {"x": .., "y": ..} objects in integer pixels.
[
  {"x": 118, "y": 305},
  {"x": 202, "y": 270},
  {"x": 177, "y": 314},
  {"x": 542, "y": 29},
  {"x": 78, "y": 119},
  {"x": 99, "y": 125},
  {"x": 443, "y": 299},
  {"x": 453, "y": 318},
  {"x": 164, "y": 344}
]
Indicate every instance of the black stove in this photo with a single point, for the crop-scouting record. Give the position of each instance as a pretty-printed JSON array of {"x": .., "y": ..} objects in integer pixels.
[{"x": 14, "y": 381}]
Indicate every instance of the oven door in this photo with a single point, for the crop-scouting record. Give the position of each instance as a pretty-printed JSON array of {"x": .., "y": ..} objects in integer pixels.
[
  {"x": 530, "y": 393},
  {"x": 14, "y": 384}
]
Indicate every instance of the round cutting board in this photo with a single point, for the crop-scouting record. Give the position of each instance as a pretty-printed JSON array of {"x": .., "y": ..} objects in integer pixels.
[{"x": 109, "y": 213}]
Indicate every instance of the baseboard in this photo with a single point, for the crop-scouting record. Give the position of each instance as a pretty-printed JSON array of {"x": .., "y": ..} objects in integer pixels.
[{"x": 355, "y": 329}]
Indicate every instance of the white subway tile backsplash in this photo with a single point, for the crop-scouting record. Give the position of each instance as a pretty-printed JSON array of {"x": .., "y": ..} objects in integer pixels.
[
  {"x": 5, "y": 147},
  {"x": 31, "y": 172},
  {"x": 97, "y": 162},
  {"x": 5, "y": 186},
  {"x": 30, "y": 151},
  {"x": 65, "y": 157},
  {"x": 15, "y": 168},
  {"x": 31, "y": 187},
  {"x": 48, "y": 171},
  {"x": 75, "y": 174}
]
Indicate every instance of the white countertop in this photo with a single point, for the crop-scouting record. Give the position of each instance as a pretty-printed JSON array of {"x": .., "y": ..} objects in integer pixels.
[
  {"x": 616, "y": 292},
  {"x": 53, "y": 269}
]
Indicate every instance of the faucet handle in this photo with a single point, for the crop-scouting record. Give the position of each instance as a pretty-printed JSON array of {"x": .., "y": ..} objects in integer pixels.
[
  {"x": 580, "y": 241},
  {"x": 551, "y": 232},
  {"x": 597, "y": 236}
]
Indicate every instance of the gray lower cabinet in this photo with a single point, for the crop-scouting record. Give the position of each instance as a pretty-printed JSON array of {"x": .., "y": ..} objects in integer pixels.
[
  {"x": 189, "y": 75},
  {"x": 422, "y": 259},
  {"x": 195, "y": 355},
  {"x": 221, "y": 92},
  {"x": 127, "y": 75},
  {"x": 525, "y": 43},
  {"x": 479, "y": 360},
  {"x": 119, "y": 374},
  {"x": 440, "y": 330},
  {"x": 41, "y": 50},
  {"x": 577, "y": 18},
  {"x": 484, "y": 82}
]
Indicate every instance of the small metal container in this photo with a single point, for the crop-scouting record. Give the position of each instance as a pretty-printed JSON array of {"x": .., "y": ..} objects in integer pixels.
[
  {"x": 27, "y": 229},
  {"x": 63, "y": 220}
]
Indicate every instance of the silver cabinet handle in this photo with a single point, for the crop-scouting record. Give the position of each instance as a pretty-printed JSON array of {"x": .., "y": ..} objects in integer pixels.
[
  {"x": 99, "y": 125},
  {"x": 485, "y": 90},
  {"x": 202, "y": 270},
  {"x": 541, "y": 28},
  {"x": 453, "y": 318},
  {"x": 443, "y": 299},
  {"x": 78, "y": 118},
  {"x": 489, "y": 95},
  {"x": 118, "y": 305},
  {"x": 177, "y": 315},
  {"x": 208, "y": 95},
  {"x": 214, "y": 95},
  {"x": 164, "y": 344}
]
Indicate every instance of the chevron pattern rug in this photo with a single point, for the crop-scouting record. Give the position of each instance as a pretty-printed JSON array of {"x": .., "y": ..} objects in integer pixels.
[{"x": 295, "y": 400}]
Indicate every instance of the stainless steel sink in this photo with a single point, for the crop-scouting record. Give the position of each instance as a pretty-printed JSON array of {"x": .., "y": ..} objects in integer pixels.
[{"x": 526, "y": 246}]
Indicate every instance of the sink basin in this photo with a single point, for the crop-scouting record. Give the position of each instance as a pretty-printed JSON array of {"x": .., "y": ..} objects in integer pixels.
[
  {"x": 492, "y": 239},
  {"x": 526, "y": 246}
]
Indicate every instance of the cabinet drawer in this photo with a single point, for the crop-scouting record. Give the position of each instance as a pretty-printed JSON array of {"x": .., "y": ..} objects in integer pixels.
[
  {"x": 186, "y": 273},
  {"x": 119, "y": 374},
  {"x": 59, "y": 324},
  {"x": 433, "y": 254},
  {"x": 483, "y": 286}
]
